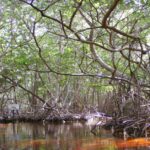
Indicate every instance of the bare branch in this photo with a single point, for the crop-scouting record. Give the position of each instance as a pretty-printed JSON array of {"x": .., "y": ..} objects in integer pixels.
[
  {"x": 105, "y": 24},
  {"x": 98, "y": 59},
  {"x": 112, "y": 7},
  {"x": 75, "y": 12},
  {"x": 62, "y": 25}
]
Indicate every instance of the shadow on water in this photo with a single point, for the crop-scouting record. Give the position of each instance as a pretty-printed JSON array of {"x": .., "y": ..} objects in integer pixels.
[{"x": 70, "y": 136}]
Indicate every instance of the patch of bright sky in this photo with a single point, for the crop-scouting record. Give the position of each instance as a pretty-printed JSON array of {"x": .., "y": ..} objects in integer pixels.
[{"x": 40, "y": 31}]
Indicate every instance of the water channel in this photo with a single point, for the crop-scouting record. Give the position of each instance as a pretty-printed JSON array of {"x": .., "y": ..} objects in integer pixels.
[{"x": 65, "y": 136}]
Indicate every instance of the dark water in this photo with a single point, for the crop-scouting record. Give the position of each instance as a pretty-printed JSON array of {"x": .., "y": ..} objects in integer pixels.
[{"x": 68, "y": 136}]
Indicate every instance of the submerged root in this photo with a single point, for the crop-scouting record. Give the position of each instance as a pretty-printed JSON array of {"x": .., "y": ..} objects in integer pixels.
[{"x": 125, "y": 128}]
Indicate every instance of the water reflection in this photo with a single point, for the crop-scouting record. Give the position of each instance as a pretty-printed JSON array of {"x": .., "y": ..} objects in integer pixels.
[{"x": 72, "y": 136}]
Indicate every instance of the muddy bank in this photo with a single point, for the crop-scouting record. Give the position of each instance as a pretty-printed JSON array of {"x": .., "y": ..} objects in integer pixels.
[{"x": 90, "y": 118}]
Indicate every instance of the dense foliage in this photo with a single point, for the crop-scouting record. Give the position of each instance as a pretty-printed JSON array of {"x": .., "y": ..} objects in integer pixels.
[{"x": 75, "y": 54}]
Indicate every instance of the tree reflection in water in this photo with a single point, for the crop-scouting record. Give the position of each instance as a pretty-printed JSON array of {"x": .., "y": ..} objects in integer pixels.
[{"x": 71, "y": 136}]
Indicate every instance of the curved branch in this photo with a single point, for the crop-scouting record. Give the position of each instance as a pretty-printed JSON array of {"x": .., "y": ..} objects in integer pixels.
[
  {"x": 105, "y": 24},
  {"x": 99, "y": 60},
  {"x": 112, "y": 7}
]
